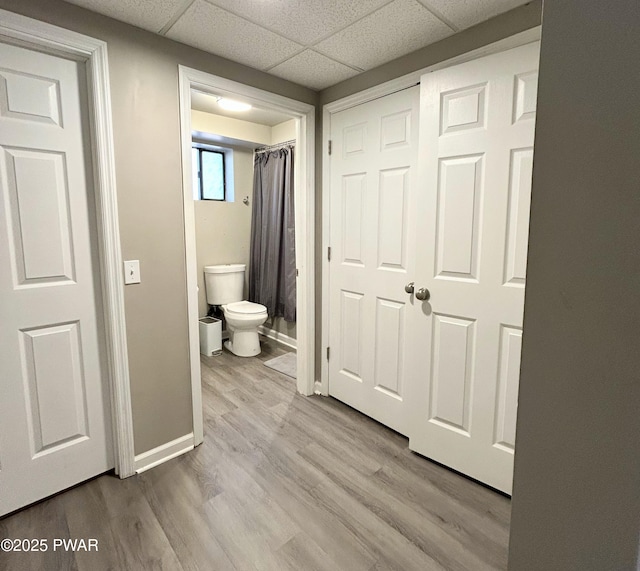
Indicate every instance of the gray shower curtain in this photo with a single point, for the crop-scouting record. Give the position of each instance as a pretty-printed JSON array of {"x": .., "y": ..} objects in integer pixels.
[{"x": 272, "y": 265}]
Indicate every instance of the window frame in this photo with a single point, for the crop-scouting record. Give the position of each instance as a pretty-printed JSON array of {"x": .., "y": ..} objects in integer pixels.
[{"x": 201, "y": 150}]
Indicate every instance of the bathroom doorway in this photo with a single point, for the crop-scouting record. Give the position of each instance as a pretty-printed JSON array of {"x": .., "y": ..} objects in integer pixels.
[{"x": 230, "y": 138}]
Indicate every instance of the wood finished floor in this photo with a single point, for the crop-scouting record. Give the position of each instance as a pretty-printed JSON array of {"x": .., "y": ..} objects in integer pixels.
[{"x": 281, "y": 482}]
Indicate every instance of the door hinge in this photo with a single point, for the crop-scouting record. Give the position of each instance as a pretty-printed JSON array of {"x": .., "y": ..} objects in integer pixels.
[
  {"x": 329, "y": 254},
  {"x": 328, "y": 352},
  {"x": 329, "y": 146},
  {"x": 297, "y": 272}
]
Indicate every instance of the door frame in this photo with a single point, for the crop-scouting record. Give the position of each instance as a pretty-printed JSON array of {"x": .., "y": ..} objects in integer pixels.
[
  {"x": 304, "y": 193},
  {"x": 387, "y": 88},
  {"x": 23, "y": 31}
]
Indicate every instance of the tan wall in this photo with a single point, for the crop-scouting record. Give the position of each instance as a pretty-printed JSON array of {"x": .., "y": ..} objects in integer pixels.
[
  {"x": 230, "y": 127},
  {"x": 576, "y": 496},
  {"x": 223, "y": 229},
  {"x": 144, "y": 89},
  {"x": 283, "y": 132}
]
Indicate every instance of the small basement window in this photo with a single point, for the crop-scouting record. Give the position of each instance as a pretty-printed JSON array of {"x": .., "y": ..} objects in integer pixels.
[{"x": 209, "y": 174}]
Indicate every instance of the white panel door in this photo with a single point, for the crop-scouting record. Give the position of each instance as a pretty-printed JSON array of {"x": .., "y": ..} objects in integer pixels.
[
  {"x": 54, "y": 405},
  {"x": 372, "y": 236},
  {"x": 476, "y": 157}
]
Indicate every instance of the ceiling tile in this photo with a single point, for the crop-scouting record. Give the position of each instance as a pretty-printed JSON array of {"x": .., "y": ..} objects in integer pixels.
[
  {"x": 217, "y": 31},
  {"x": 151, "y": 15},
  {"x": 397, "y": 29},
  {"x": 313, "y": 70},
  {"x": 466, "y": 13},
  {"x": 304, "y": 21}
]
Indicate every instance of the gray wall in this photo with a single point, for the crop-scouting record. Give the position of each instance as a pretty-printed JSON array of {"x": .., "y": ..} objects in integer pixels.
[
  {"x": 144, "y": 88},
  {"x": 576, "y": 500}
]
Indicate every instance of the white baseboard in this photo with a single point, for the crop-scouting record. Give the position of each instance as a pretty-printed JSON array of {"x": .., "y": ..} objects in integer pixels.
[
  {"x": 156, "y": 456},
  {"x": 278, "y": 337}
]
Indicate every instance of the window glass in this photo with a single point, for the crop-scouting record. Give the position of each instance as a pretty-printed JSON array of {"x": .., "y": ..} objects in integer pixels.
[
  {"x": 212, "y": 175},
  {"x": 195, "y": 170}
]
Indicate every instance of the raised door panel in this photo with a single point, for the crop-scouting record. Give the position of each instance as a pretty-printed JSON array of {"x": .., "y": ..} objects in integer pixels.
[
  {"x": 507, "y": 388},
  {"x": 351, "y": 314},
  {"x": 353, "y": 212},
  {"x": 463, "y": 109},
  {"x": 54, "y": 386},
  {"x": 525, "y": 96},
  {"x": 392, "y": 219},
  {"x": 29, "y": 98},
  {"x": 354, "y": 140},
  {"x": 395, "y": 131},
  {"x": 458, "y": 217},
  {"x": 453, "y": 341},
  {"x": 37, "y": 205},
  {"x": 518, "y": 217},
  {"x": 390, "y": 345}
]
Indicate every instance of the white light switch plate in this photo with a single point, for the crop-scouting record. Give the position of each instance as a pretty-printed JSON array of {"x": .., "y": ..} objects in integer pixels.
[{"x": 132, "y": 272}]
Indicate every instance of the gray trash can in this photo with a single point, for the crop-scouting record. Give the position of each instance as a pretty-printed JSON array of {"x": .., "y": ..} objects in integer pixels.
[{"x": 210, "y": 336}]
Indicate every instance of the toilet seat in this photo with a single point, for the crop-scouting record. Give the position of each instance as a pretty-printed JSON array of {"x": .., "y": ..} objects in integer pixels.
[
  {"x": 244, "y": 308},
  {"x": 243, "y": 319}
]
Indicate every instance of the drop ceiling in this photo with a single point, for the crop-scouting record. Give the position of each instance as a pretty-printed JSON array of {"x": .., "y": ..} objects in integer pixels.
[{"x": 315, "y": 43}]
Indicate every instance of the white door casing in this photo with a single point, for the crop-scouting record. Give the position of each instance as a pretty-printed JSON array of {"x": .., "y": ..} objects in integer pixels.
[
  {"x": 372, "y": 237},
  {"x": 55, "y": 426},
  {"x": 477, "y": 124},
  {"x": 304, "y": 115}
]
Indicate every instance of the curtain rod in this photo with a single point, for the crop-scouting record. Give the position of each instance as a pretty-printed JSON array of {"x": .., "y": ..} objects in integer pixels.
[{"x": 276, "y": 146}]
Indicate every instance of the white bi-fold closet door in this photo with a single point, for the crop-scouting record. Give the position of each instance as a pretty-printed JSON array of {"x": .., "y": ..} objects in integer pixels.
[
  {"x": 373, "y": 183},
  {"x": 55, "y": 426},
  {"x": 448, "y": 364}
]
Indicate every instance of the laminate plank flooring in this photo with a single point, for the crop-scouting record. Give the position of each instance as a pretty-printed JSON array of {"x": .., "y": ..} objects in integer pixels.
[{"x": 282, "y": 482}]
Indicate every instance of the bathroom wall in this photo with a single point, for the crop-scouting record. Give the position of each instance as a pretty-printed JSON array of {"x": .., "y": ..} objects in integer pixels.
[
  {"x": 283, "y": 132},
  {"x": 230, "y": 127},
  {"x": 223, "y": 229}
]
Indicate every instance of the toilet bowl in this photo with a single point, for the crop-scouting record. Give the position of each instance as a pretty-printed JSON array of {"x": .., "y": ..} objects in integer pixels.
[
  {"x": 225, "y": 286},
  {"x": 243, "y": 319}
]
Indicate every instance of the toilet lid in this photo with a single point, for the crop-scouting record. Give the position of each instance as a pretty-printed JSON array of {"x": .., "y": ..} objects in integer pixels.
[{"x": 245, "y": 307}]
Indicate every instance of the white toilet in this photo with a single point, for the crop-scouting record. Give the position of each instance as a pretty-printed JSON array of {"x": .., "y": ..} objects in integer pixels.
[{"x": 225, "y": 286}]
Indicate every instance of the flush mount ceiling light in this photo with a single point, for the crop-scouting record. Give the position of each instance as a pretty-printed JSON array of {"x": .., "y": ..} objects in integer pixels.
[{"x": 233, "y": 105}]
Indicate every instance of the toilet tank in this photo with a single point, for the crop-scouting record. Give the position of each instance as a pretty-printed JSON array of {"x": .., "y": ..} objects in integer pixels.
[{"x": 224, "y": 284}]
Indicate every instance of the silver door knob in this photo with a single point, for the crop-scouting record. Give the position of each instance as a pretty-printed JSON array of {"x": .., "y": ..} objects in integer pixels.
[
  {"x": 423, "y": 294},
  {"x": 409, "y": 287}
]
